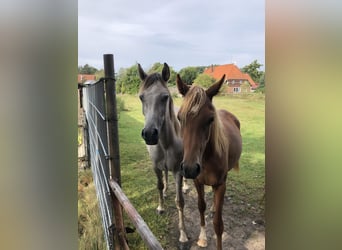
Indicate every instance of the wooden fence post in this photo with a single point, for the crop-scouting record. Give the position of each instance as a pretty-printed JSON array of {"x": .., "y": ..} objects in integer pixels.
[{"x": 113, "y": 148}]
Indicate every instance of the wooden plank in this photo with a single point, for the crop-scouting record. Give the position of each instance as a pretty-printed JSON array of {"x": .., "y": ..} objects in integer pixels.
[{"x": 144, "y": 231}]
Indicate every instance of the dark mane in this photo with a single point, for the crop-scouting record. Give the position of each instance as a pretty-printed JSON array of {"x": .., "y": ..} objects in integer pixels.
[{"x": 150, "y": 79}]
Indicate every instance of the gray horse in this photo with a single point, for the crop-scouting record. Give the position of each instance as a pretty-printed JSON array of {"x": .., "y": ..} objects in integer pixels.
[{"x": 162, "y": 136}]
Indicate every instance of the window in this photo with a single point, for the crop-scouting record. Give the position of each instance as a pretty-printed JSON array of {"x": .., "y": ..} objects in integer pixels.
[{"x": 236, "y": 90}]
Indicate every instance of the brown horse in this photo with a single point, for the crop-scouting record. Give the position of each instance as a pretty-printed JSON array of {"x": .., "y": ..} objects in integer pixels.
[{"x": 212, "y": 146}]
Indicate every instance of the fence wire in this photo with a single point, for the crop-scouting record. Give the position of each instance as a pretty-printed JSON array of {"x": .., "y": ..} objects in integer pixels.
[{"x": 94, "y": 106}]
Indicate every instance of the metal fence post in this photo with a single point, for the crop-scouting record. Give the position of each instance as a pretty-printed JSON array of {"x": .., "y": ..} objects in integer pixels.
[{"x": 113, "y": 148}]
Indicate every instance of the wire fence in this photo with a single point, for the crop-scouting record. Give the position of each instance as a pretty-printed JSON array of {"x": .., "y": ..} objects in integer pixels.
[
  {"x": 99, "y": 103},
  {"x": 94, "y": 107}
]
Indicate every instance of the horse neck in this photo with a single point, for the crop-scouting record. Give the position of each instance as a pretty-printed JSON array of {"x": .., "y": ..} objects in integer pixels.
[
  {"x": 209, "y": 150},
  {"x": 170, "y": 129}
]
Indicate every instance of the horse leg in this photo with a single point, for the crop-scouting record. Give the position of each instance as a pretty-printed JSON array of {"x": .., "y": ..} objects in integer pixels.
[
  {"x": 202, "y": 239},
  {"x": 180, "y": 206},
  {"x": 160, "y": 187},
  {"x": 219, "y": 192},
  {"x": 186, "y": 186},
  {"x": 212, "y": 208},
  {"x": 166, "y": 182}
]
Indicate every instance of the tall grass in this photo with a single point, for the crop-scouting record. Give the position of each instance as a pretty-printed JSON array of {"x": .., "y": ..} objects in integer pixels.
[
  {"x": 90, "y": 231},
  {"x": 139, "y": 181}
]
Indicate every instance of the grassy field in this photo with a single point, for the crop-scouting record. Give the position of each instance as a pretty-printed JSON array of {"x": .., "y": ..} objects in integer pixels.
[{"x": 138, "y": 178}]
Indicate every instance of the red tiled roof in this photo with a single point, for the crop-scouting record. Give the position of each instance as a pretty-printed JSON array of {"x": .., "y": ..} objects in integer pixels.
[
  {"x": 231, "y": 71},
  {"x": 84, "y": 77}
]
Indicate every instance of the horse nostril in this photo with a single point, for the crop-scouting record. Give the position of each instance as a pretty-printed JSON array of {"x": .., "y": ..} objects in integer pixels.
[
  {"x": 155, "y": 132},
  {"x": 150, "y": 135}
]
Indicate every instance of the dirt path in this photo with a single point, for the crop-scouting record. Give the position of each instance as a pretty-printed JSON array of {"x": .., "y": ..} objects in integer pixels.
[{"x": 244, "y": 223}]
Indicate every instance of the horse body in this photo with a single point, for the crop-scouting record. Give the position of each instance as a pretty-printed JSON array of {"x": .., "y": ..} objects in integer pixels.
[
  {"x": 161, "y": 134},
  {"x": 212, "y": 146}
]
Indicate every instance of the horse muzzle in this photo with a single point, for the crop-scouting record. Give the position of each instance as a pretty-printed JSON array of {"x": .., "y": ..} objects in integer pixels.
[
  {"x": 150, "y": 136},
  {"x": 190, "y": 172}
]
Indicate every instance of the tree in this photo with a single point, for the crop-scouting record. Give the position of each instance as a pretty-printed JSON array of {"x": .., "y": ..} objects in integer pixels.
[
  {"x": 252, "y": 71},
  {"x": 204, "y": 80},
  {"x": 128, "y": 80},
  {"x": 188, "y": 74},
  {"x": 99, "y": 74},
  {"x": 87, "y": 69},
  {"x": 158, "y": 67},
  {"x": 261, "y": 87}
]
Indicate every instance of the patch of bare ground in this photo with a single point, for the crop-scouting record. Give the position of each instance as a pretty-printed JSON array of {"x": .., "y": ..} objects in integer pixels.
[{"x": 244, "y": 223}]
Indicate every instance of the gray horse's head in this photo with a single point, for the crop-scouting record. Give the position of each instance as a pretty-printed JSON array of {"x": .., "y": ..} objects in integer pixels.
[{"x": 155, "y": 99}]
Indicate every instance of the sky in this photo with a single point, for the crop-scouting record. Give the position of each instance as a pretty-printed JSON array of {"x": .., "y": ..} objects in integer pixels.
[{"x": 180, "y": 32}]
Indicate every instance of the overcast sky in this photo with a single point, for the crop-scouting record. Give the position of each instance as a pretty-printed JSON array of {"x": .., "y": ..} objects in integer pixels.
[{"x": 179, "y": 32}]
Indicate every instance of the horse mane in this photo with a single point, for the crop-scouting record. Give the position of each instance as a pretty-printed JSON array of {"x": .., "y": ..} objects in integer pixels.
[
  {"x": 173, "y": 117},
  {"x": 149, "y": 81},
  {"x": 193, "y": 102}
]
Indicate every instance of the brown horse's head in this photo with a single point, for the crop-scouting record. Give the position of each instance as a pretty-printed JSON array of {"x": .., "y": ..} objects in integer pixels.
[{"x": 199, "y": 124}]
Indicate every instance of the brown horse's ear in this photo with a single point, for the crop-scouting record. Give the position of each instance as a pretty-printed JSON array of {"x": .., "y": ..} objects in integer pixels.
[
  {"x": 142, "y": 73},
  {"x": 182, "y": 87},
  {"x": 166, "y": 72},
  {"x": 214, "y": 89}
]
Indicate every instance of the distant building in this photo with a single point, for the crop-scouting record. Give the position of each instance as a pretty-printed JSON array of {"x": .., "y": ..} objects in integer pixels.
[
  {"x": 237, "y": 81},
  {"x": 81, "y": 78}
]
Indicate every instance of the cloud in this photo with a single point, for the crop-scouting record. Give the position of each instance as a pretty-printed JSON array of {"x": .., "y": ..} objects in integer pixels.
[{"x": 182, "y": 33}]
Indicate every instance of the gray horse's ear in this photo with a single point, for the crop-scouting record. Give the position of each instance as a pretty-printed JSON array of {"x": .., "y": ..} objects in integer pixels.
[
  {"x": 142, "y": 73},
  {"x": 182, "y": 87},
  {"x": 166, "y": 72},
  {"x": 214, "y": 89}
]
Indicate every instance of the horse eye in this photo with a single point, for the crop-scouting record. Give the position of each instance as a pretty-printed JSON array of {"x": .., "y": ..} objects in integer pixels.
[
  {"x": 164, "y": 98},
  {"x": 141, "y": 97},
  {"x": 210, "y": 120}
]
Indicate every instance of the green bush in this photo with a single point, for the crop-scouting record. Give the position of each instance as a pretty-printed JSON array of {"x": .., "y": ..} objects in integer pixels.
[{"x": 204, "y": 81}]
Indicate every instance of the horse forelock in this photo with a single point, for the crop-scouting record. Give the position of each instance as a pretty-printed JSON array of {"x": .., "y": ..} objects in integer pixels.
[
  {"x": 150, "y": 80},
  {"x": 193, "y": 102}
]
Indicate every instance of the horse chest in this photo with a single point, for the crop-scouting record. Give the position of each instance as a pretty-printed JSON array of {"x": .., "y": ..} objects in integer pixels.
[{"x": 212, "y": 175}]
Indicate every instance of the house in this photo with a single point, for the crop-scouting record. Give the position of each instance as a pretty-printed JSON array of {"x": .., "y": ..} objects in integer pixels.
[
  {"x": 81, "y": 78},
  {"x": 237, "y": 82}
]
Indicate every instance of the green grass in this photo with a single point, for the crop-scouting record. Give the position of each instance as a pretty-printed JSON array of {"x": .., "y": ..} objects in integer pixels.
[
  {"x": 79, "y": 136},
  {"x": 139, "y": 181}
]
